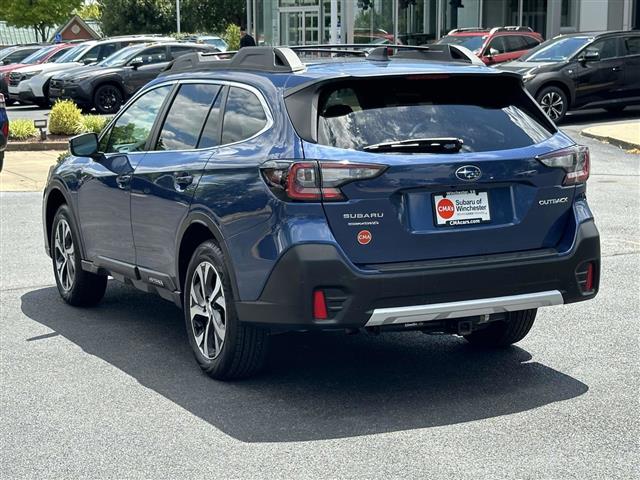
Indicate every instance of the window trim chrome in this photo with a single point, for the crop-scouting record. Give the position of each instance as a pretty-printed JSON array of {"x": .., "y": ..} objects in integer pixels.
[{"x": 221, "y": 83}]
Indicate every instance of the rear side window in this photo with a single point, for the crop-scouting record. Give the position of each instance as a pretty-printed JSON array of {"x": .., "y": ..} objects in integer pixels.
[
  {"x": 186, "y": 116},
  {"x": 358, "y": 114},
  {"x": 243, "y": 116},
  {"x": 58, "y": 54}
]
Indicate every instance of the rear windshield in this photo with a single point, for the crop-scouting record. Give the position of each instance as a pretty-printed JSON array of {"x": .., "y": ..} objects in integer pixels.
[{"x": 484, "y": 114}]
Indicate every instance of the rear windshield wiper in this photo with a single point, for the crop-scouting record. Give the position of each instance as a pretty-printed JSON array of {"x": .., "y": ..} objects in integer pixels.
[{"x": 419, "y": 145}]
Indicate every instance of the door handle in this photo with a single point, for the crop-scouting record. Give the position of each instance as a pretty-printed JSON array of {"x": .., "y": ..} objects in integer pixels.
[
  {"x": 183, "y": 180},
  {"x": 123, "y": 180},
  {"x": 616, "y": 69}
]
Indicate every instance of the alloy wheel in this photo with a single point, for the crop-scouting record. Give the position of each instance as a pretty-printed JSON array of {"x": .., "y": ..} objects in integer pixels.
[
  {"x": 208, "y": 310},
  {"x": 108, "y": 98},
  {"x": 552, "y": 105},
  {"x": 64, "y": 255}
]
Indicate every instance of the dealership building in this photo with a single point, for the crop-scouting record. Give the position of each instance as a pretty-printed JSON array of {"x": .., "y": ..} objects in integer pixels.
[{"x": 297, "y": 22}]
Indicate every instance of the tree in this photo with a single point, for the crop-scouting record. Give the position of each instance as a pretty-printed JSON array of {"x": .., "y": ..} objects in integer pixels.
[
  {"x": 127, "y": 17},
  {"x": 90, "y": 11},
  {"x": 38, "y": 14}
]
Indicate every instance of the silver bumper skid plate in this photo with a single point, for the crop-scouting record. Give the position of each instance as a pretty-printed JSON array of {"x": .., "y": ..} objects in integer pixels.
[{"x": 465, "y": 308}]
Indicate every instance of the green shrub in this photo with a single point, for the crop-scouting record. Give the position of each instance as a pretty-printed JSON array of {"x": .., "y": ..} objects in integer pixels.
[
  {"x": 22, "y": 129},
  {"x": 92, "y": 123},
  {"x": 232, "y": 36},
  {"x": 65, "y": 118}
]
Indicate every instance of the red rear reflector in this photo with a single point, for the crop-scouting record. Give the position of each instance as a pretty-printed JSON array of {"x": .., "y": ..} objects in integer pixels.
[
  {"x": 588, "y": 284},
  {"x": 319, "y": 305}
]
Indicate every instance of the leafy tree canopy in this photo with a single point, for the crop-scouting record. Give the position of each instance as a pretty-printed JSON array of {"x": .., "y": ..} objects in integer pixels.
[{"x": 39, "y": 14}]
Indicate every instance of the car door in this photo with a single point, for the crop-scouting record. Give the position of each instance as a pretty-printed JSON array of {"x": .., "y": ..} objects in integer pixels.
[
  {"x": 631, "y": 51},
  {"x": 496, "y": 51},
  {"x": 104, "y": 203},
  {"x": 145, "y": 67},
  {"x": 165, "y": 180},
  {"x": 601, "y": 80}
]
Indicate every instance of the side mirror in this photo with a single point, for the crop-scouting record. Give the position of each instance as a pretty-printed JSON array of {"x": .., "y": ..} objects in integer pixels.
[
  {"x": 85, "y": 145},
  {"x": 136, "y": 63},
  {"x": 88, "y": 61},
  {"x": 493, "y": 52},
  {"x": 591, "y": 55}
]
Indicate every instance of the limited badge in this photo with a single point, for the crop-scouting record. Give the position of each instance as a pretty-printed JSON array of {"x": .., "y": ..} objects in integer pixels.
[{"x": 364, "y": 237}]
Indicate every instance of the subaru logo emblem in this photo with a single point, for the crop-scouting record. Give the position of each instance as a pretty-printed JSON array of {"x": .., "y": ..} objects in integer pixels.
[{"x": 469, "y": 173}]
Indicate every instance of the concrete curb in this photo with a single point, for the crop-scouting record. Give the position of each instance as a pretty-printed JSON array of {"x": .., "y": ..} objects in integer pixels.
[
  {"x": 36, "y": 146},
  {"x": 612, "y": 140}
]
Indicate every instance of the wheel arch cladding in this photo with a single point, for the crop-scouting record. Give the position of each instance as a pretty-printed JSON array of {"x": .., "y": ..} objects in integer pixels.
[{"x": 55, "y": 199}]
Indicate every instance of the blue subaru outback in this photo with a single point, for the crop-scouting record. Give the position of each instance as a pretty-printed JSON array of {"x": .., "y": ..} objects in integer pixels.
[{"x": 262, "y": 194}]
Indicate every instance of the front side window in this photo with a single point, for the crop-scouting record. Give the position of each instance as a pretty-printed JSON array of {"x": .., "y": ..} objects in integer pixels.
[
  {"x": 606, "y": 48},
  {"x": 132, "y": 129},
  {"x": 243, "y": 116},
  {"x": 498, "y": 45},
  {"x": 186, "y": 117},
  {"x": 556, "y": 50},
  {"x": 514, "y": 43},
  {"x": 150, "y": 56}
]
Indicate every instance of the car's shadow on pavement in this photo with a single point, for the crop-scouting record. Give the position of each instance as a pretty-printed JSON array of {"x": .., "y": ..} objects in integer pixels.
[
  {"x": 589, "y": 117},
  {"x": 317, "y": 386}
]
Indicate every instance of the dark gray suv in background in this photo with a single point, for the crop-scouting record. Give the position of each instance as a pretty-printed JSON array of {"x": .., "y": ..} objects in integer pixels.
[
  {"x": 582, "y": 70},
  {"x": 110, "y": 83}
]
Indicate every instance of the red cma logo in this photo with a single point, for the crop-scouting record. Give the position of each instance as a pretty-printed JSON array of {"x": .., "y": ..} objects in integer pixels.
[
  {"x": 364, "y": 237},
  {"x": 446, "y": 208}
]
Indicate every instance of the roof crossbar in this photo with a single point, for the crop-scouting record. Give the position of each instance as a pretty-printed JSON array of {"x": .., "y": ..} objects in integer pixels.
[{"x": 263, "y": 59}]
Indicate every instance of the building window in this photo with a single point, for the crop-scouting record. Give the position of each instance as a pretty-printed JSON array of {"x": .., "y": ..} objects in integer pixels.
[{"x": 569, "y": 13}]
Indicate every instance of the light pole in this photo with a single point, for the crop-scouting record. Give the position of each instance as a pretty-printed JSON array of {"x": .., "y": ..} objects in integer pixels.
[{"x": 178, "y": 14}]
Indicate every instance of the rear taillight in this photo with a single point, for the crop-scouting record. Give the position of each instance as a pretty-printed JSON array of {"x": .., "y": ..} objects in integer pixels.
[
  {"x": 314, "y": 181},
  {"x": 575, "y": 161}
]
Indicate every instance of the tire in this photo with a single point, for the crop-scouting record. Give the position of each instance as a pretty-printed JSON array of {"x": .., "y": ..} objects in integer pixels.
[
  {"x": 615, "y": 108},
  {"x": 224, "y": 348},
  {"x": 554, "y": 103},
  {"x": 76, "y": 287},
  {"x": 107, "y": 99},
  {"x": 503, "y": 334}
]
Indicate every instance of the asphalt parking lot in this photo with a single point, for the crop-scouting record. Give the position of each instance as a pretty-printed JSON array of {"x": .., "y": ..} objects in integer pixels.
[{"x": 113, "y": 392}]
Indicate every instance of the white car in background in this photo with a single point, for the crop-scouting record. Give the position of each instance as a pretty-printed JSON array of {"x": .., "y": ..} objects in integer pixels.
[{"x": 31, "y": 84}]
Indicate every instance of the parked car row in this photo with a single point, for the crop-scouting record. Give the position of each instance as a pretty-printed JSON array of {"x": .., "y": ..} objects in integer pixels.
[
  {"x": 95, "y": 74},
  {"x": 568, "y": 72},
  {"x": 4, "y": 129}
]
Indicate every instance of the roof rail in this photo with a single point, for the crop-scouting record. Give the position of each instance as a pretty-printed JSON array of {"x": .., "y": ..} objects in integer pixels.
[
  {"x": 262, "y": 59},
  {"x": 286, "y": 59},
  {"x": 511, "y": 28},
  {"x": 376, "y": 52},
  {"x": 467, "y": 29}
]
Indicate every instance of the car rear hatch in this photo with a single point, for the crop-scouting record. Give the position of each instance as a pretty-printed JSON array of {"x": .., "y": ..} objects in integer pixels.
[{"x": 449, "y": 167}]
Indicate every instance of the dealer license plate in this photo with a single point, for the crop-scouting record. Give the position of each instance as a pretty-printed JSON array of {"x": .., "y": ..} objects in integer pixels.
[{"x": 470, "y": 207}]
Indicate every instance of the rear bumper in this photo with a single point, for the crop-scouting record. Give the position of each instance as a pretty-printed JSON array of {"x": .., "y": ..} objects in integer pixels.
[{"x": 431, "y": 291}]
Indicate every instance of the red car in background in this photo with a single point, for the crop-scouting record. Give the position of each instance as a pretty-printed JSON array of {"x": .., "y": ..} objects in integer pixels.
[
  {"x": 45, "y": 54},
  {"x": 496, "y": 45}
]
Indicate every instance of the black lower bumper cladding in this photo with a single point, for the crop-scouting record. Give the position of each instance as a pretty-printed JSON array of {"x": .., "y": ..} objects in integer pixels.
[{"x": 353, "y": 294}]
